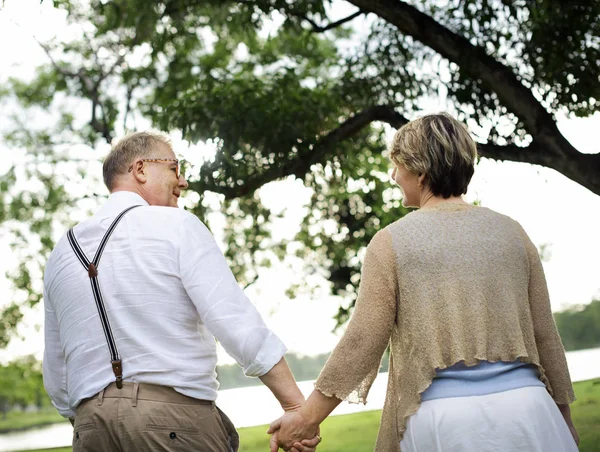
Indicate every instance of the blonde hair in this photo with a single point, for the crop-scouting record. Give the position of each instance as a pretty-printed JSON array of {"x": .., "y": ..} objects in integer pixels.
[
  {"x": 440, "y": 147},
  {"x": 132, "y": 146}
]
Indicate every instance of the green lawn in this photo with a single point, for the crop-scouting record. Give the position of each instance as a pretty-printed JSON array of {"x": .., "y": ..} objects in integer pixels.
[
  {"x": 18, "y": 420},
  {"x": 357, "y": 432},
  {"x": 586, "y": 414}
]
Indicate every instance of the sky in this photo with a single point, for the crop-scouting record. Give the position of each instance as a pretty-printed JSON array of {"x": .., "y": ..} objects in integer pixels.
[{"x": 554, "y": 210}]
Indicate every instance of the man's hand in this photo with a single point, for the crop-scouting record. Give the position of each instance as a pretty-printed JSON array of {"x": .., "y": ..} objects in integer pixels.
[{"x": 290, "y": 430}]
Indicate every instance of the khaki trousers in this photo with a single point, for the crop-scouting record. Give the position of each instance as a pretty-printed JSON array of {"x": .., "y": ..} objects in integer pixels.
[{"x": 142, "y": 418}]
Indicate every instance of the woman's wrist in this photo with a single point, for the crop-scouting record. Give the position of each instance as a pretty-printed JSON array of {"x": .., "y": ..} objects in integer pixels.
[{"x": 310, "y": 416}]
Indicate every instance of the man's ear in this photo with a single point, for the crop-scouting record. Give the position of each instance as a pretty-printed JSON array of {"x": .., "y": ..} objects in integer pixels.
[{"x": 139, "y": 172}]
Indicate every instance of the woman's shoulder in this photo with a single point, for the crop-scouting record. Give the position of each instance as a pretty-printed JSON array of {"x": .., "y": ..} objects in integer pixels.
[{"x": 446, "y": 216}]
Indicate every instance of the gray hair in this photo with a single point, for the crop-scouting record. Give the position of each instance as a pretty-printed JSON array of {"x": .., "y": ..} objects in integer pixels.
[{"x": 126, "y": 150}]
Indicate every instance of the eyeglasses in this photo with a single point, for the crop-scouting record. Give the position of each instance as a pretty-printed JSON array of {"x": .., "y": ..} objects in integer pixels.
[{"x": 179, "y": 172}]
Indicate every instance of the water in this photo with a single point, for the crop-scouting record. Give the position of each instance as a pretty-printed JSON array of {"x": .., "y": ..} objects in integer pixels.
[{"x": 256, "y": 406}]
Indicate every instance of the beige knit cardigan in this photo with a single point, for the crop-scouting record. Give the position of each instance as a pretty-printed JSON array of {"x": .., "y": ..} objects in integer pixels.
[{"x": 442, "y": 285}]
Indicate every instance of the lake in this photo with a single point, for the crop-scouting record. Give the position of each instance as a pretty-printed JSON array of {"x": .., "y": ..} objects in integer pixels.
[{"x": 256, "y": 406}]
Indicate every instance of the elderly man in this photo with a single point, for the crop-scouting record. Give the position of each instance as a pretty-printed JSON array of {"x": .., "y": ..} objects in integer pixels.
[{"x": 134, "y": 298}]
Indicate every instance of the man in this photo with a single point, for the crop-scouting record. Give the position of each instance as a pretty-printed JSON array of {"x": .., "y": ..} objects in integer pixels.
[{"x": 132, "y": 356}]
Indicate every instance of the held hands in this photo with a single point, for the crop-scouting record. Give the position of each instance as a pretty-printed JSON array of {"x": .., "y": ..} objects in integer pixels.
[{"x": 293, "y": 432}]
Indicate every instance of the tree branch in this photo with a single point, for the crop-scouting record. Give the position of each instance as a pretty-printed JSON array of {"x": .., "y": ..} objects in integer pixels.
[
  {"x": 557, "y": 152},
  {"x": 90, "y": 87},
  {"x": 474, "y": 60},
  {"x": 577, "y": 167},
  {"x": 127, "y": 105},
  {"x": 302, "y": 163},
  {"x": 320, "y": 29}
]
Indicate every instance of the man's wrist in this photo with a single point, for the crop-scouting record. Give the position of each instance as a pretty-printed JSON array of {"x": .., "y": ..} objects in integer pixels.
[{"x": 293, "y": 404}]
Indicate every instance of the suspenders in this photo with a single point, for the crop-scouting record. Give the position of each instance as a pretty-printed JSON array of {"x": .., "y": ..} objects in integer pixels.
[{"x": 92, "y": 269}]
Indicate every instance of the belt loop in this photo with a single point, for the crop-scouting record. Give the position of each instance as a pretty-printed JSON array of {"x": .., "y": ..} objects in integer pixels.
[
  {"x": 100, "y": 397},
  {"x": 134, "y": 395}
]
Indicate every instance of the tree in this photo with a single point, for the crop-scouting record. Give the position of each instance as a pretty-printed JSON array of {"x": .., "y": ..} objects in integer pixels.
[
  {"x": 579, "y": 326},
  {"x": 280, "y": 89},
  {"x": 21, "y": 384}
]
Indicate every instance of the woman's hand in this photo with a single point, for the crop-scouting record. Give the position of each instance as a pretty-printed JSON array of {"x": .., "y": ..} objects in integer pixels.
[
  {"x": 290, "y": 430},
  {"x": 565, "y": 410},
  {"x": 307, "y": 445},
  {"x": 574, "y": 433}
]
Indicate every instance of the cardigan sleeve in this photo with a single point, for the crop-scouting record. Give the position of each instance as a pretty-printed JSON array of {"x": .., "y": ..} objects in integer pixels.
[
  {"x": 354, "y": 363},
  {"x": 548, "y": 342}
]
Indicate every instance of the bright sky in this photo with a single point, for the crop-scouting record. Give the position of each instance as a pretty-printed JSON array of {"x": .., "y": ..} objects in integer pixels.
[{"x": 552, "y": 209}]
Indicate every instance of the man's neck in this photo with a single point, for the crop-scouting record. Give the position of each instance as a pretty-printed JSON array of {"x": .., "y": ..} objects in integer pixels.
[{"x": 124, "y": 188}]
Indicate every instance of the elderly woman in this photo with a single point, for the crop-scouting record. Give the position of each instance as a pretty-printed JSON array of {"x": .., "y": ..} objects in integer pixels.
[{"x": 458, "y": 292}]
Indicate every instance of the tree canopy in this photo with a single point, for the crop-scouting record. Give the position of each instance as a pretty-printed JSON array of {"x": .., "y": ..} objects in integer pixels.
[{"x": 302, "y": 89}]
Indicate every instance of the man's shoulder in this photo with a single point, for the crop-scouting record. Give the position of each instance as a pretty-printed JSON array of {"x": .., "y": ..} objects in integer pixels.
[
  {"x": 167, "y": 213},
  {"x": 167, "y": 217}
]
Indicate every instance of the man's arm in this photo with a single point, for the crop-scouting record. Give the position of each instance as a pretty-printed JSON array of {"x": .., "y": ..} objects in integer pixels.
[
  {"x": 222, "y": 305},
  {"x": 54, "y": 366},
  {"x": 281, "y": 383}
]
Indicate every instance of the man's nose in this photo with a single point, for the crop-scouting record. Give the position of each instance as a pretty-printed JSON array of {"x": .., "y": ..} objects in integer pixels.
[{"x": 183, "y": 183}]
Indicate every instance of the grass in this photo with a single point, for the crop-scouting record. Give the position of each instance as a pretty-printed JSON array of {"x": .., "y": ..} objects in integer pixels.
[
  {"x": 585, "y": 412},
  {"x": 19, "y": 420},
  {"x": 357, "y": 432}
]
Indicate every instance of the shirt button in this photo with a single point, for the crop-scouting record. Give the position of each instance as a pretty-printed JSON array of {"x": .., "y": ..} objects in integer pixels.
[{"x": 172, "y": 435}]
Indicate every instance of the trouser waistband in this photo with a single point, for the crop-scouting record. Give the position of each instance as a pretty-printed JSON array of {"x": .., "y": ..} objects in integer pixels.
[{"x": 144, "y": 391}]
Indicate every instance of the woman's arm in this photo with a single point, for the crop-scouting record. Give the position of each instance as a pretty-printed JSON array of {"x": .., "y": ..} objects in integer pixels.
[
  {"x": 354, "y": 364},
  {"x": 547, "y": 340}
]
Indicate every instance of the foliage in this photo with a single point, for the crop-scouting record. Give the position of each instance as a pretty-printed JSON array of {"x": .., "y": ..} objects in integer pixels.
[
  {"x": 21, "y": 385},
  {"x": 281, "y": 89},
  {"x": 303, "y": 367},
  {"x": 579, "y": 326}
]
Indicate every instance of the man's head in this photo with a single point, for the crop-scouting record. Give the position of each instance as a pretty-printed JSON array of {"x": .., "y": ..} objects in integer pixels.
[{"x": 144, "y": 163}]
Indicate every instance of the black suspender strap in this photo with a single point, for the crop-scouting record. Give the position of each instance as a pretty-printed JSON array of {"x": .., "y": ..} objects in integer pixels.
[{"x": 92, "y": 269}]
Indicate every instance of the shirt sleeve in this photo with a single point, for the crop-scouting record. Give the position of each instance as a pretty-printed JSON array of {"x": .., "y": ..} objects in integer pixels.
[
  {"x": 548, "y": 342},
  {"x": 353, "y": 365},
  {"x": 54, "y": 366},
  {"x": 222, "y": 305}
]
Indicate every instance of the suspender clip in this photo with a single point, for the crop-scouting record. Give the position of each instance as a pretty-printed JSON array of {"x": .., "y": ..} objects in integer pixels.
[{"x": 118, "y": 371}]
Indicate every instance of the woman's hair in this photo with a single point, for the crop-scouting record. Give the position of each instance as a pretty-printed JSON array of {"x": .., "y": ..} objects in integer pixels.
[
  {"x": 127, "y": 149},
  {"x": 440, "y": 147}
]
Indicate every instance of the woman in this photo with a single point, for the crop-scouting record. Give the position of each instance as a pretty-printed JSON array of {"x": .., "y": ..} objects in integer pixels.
[{"x": 458, "y": 292}]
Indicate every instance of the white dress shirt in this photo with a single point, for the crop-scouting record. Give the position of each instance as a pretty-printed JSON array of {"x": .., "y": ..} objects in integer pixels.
[{"x": 168, "y": 293}]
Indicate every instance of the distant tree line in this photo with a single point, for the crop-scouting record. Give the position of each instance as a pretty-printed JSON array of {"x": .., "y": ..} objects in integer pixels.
[
  {"x": 579, "y": 326},
  {"x": 303, "y": 367},
  {"x": 21, "y": 385}
]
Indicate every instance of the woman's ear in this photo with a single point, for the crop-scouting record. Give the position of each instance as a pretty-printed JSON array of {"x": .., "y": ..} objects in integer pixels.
[{"x": 421, "y": 180}]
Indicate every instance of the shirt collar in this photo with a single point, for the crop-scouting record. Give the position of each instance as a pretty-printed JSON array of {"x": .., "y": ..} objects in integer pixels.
[{"x": 119, "y": 201}]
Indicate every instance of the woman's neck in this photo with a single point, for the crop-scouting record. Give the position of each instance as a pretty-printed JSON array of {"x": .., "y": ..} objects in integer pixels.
[{"x": 432, "y": 201}]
